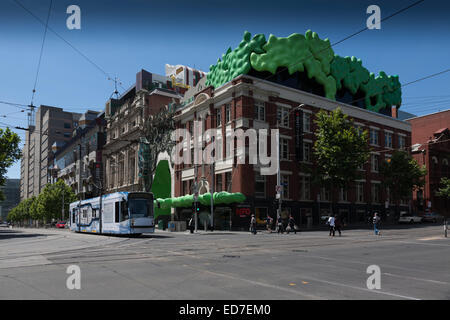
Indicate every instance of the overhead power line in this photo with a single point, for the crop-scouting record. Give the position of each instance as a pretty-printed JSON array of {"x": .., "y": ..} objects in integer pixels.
[
  {"x": 108, "y": 77},
  {"x": 42, "y": 50}
]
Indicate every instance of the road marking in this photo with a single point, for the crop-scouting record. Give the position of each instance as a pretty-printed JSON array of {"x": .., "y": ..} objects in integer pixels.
[
  {"x": 418, "y": 279},
  {"x": 431, "y": 238},
  {"x": 262, "y": 284},
  {"x": 365, "y": 289}
]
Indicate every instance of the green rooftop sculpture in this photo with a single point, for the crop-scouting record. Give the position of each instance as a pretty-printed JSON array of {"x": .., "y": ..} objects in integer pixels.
[{"x": 312, "y": 55}]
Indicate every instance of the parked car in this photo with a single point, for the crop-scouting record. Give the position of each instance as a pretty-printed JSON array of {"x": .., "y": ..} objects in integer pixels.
[
  {"x": 432, "y": 217},
  {"x": 61, "y": 224},
  {"x": 409, "y": 218}
]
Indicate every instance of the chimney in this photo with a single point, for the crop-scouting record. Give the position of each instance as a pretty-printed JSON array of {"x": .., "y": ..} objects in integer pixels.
[{"x": 394, "y": 112}]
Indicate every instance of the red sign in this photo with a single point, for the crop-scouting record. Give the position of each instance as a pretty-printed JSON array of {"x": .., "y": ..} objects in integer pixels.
[{"x": 243, "y": 212}]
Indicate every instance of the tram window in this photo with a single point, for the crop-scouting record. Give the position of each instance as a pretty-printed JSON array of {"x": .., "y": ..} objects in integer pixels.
[
  {"x": 124, "y": 210},
  {"x": 73, "y": 215},
  {"x": 117, "y": 212}
]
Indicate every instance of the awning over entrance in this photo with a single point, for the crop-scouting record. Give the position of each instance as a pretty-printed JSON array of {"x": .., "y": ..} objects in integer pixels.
[{"x": 222, "y": 197}]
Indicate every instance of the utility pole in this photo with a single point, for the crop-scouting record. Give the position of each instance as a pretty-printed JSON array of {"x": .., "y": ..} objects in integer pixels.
[{"x": 279, "y": 187}]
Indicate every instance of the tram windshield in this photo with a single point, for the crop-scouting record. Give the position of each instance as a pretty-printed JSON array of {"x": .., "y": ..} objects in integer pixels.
[{"x": 139, "y": 208}]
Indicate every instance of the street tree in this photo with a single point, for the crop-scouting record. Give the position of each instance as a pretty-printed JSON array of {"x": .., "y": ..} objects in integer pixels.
[
  {"x": 155, "y": 139},
  {"x": 9, "y": 153},
  {"x": 402, "y": 175},
  {"x": 340, "y": 149},
  {"x": 444, "y": 191},
  {"x": 48, "y": 205}
]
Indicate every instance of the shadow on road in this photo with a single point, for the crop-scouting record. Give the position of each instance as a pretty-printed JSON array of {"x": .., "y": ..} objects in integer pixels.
[{"x": 11, "y": 234}]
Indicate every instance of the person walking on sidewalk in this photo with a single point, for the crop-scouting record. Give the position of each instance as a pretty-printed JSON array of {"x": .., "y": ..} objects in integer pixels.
[
  {"x": 291, "y": 224},
  {"x": 253, "y": 224},
  {"x": 376, "y": 224},
  {"x": 191, "y": 224},
  {"x": 269, "y": 221},
  {"x": 280, "y": 225},
  {"x": 338, "y": 224},
  {"x": 331, "y": 223}
]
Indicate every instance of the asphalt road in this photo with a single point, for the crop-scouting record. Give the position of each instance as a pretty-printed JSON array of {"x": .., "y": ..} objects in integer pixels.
[{"x": 414, "y": 264}]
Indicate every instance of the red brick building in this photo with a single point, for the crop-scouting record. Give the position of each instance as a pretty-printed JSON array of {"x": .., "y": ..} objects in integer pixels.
[
  {"x": 431, "y": 147},
  {"x": 250, "y": 102}
]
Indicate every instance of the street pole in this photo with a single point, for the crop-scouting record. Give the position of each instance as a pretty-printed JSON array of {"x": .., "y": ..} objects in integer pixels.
[{"x": 212, "y": 194}]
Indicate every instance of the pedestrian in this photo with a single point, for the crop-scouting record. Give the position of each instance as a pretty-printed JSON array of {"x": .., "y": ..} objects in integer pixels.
[
  {"x": 191, "y": 224},
  {"x": 269, "y": 221},
  {"x": 291, "y": 224},
  {"x": 331, "y": 224},
  {"x": 253, "y": 224},
  {"x": 338, "y": 224},
  {"x": 376, "y": 224},
  {"x": 280, "y": 225}
]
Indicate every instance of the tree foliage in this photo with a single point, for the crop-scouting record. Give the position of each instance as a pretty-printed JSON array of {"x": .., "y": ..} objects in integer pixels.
[
  {"x": 157, "y": 131},
  {"x": 340, "y": 149},
  {"x": 46, "y": 206},
  {"x": 9, "y": 153},
  {"x": 402, "y": 174},
  {"x": 444, "y": 191}
]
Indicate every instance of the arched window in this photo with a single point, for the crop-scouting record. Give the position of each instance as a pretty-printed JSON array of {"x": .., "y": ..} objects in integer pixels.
[{"x": 445, "y": 168}]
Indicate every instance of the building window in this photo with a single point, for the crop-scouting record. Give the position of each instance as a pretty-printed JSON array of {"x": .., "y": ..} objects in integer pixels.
[
  {"x": 375, "y": 162},
  {"x": 401, "y": 142},
  {"x": 260, "y": 112},
  {"x": 227, "y": 113},
  {"x": 360, "y": 192},
  {"x": 305, "y": 188},
  {"x": 306, "y": 151},
  {"x": 283, "y": 116},
  {"x": 324, "y": 194},
  {"x": 374, "y": 136},
  {"x": 359, "y": 129},
  {"x": 219, "y": 186},
  {"x": 228, "y": 181},
  {"x": 284, "y": 149},
  {"x": 306, "y": 122},
  {"x": 375, "y": 192},
  {"x": 343, "y": 194},
  {"x": 388, "y": 140},
  {"x": 285, "y": 184},
  {"x": 219, "y": 117},
  {"x": 66, "y": 125},
  {"x": 260, "y": 185}
]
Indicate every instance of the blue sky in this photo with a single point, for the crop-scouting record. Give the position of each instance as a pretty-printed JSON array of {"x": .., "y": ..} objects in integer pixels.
[{"x": 122, "y": 37}]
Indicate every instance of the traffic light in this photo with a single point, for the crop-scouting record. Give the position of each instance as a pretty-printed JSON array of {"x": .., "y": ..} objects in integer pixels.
[
  {"x": 276, "y": 203},
  {"x": 196, "y": 207}
]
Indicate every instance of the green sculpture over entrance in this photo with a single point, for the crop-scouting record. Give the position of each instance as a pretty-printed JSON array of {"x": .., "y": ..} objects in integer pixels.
[{"x": 308, "y": 56}]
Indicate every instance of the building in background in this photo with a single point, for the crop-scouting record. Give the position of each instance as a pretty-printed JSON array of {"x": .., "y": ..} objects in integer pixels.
[
  {"x": 79, "y": 162},
  {"x": 51, "y": 125},
  {"x": 11, "y": 191},
  {"x": 431, "y": 147},
  {"x": 150, "y": 93}
]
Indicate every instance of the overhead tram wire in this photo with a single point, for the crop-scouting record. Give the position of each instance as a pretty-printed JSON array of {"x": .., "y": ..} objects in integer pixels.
[
  {"x": 347, "y": 37},
  {"x": 41, "y": 52},
  {"x": 108, "y": 77}
]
